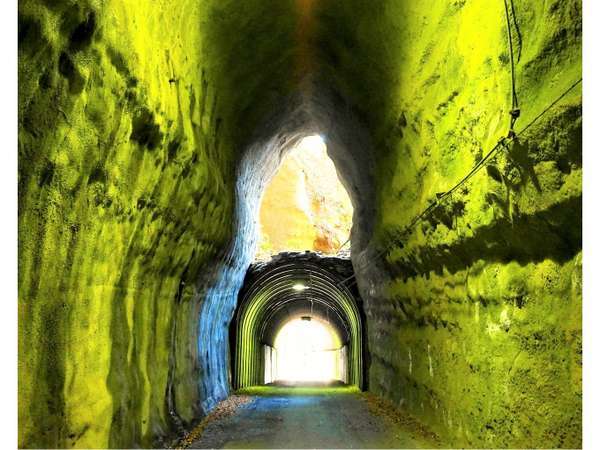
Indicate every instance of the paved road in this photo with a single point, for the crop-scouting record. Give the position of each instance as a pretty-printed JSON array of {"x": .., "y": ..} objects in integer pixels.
[{"x": 336, "y": 420}]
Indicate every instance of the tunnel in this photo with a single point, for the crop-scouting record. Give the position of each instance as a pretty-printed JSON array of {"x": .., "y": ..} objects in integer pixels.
[
  {"x": 148, "y": 135},
  {"x": 292, "y": 286}
]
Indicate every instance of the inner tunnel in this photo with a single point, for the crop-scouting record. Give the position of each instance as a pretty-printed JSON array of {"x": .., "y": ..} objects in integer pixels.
[
  {"x": 302, "y": 286},
  {"x": 149, "y": 303}
]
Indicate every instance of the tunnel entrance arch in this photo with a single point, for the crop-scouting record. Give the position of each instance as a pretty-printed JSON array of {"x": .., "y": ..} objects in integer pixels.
[
  {"x": 324, "y": 113},
  {"x": 292, "y": 286}
]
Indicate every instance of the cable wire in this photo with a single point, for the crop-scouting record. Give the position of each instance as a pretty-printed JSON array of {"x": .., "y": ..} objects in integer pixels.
[
  {"x": 515, "y": 112},
  {"x": 502, "y": 143}
]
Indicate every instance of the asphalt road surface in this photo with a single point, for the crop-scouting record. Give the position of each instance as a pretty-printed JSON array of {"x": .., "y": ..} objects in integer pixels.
[{"x": 333, "y": 418}]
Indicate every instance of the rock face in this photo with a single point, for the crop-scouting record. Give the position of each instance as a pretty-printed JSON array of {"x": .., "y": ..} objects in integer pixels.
[
  {"x": 128, "y": 143},
  {"x": 304, "y": 206},
  {"x": 474, "y": 317},
  {"x": 148, "y": 131}
]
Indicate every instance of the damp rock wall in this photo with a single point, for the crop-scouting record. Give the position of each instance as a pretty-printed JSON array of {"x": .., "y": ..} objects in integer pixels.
[
  {"x": 148, "y": 130},
  {"x": 131, "y": 125},
  {"x": 474, "y": 316}
]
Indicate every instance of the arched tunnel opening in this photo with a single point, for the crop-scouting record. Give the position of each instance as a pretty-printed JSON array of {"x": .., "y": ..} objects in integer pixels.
[
  {"x": 304, "y": 207},
  {"x": 294, "y": 288},
  {"x": 447, "y": 286}
]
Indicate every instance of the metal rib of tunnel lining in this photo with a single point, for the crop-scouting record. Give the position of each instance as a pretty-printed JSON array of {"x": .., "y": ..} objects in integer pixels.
[{"x": 268, "y": 300}]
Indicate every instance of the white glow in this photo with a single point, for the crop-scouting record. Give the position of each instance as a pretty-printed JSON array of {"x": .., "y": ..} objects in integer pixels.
[
  {"x": 314, "y": 143},
  {"x": 307, "y": 351},
  {"x": 299, "y": 287}
]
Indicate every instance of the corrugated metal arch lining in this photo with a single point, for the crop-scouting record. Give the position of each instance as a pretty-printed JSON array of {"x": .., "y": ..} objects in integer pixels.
[{"x": 269, "y": 299}]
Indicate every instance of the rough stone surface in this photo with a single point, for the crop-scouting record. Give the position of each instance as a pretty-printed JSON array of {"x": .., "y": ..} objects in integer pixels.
[
  {"x": 474, "y": 319},
  {"x": 148, "y": 130},
  {"x": 129, "y": 135}
]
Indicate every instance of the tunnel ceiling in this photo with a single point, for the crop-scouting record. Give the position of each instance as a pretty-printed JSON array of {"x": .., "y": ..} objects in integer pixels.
[{"x": 270, "y": 297}]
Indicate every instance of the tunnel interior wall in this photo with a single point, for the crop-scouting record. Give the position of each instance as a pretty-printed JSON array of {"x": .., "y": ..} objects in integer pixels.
[
  {"x": 130, "y": 138},
  {"x": 474, "y": 318},
  {"x": 124, "y": 196}
]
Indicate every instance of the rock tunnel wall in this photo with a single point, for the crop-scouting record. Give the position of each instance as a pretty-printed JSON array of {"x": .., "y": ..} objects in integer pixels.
[
  {"x": 129, "y": 141},
  {"x": 474, "y": 317}
]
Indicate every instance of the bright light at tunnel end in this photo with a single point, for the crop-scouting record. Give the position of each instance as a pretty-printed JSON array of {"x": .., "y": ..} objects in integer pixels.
[
  {"x": 307, "y": 350},
  {"x": 314, "y": 141},
  {"x": 299, "y": 287}
]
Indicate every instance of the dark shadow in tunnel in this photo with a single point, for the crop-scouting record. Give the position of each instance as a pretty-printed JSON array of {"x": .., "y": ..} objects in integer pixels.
[{"x": 557, "y": 236}]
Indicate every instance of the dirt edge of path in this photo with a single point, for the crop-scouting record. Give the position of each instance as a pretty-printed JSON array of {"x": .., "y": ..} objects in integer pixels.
[
  {"x": 224, "y": 409},
  {"x": 401, "y": 419}
]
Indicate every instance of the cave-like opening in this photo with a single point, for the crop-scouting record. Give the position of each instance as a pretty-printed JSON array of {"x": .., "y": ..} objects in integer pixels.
[
  {"x": 325, "y": 192},
  {"x": 305, "y": 206}
]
